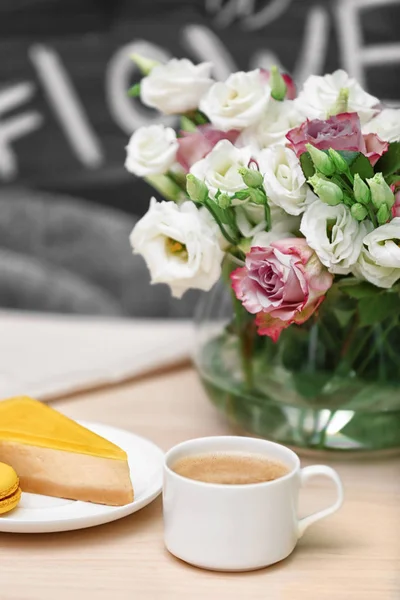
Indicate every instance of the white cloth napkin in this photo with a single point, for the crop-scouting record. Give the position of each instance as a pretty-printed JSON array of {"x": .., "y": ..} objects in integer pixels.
[{"x": 45, "y": 355}]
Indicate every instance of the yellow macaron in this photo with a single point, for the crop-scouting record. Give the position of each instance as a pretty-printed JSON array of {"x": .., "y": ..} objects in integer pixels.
[{"x": 10, "y": 492}]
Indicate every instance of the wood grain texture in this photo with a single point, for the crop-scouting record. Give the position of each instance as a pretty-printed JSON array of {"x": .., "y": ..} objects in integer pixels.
[{"x": 353, "y": 555}]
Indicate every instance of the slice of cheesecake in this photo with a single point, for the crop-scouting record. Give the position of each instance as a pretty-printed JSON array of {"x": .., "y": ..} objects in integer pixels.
[{"x": 55, "y": 456}]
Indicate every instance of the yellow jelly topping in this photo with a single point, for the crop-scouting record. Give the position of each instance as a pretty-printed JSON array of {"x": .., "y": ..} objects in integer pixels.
[{"x": 27, "y": 421}]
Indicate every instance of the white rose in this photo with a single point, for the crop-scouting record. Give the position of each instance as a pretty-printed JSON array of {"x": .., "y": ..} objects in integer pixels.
[
  {"x": 319, "y": 96},
  {"x": 284, "y": 180},
  {"x": 334, "y": 235},
  {"x": 283, "y": 226},
  {"x": 250, "y": 218},
  {"x": 386, "y": 124},
  {"x": 180, "y": 244},
  {"x": 220, "y": 168},
  {"x": 383, "y": 244},
  {"x": 279, "y": 118},
  {"x": 367, "y": 268},
  {"x": 238, "y": 102},
  {"x": 176, "y": 87},
  {"x": 151, "y": 150}
]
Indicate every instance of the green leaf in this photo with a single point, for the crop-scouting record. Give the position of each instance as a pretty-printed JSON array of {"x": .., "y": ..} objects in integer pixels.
[
  {"x": 200, "y": 118},
  {"x": 307, "y": 165},
  {"x": 361, "y": 290},
  {"x": 187, "y": 124},
  {"x": 343, "y": 316},
  {"x": 242, "y": 194},
  {"x": 357, "y": 163},
  {"x": 310, "y": 385},
  {"x": 362, "y": 166},
  {"x": 392, "y": 178},
  {"x": 134, "y": 91},
  {"x": 390, "y": 162},
  {"x": 349, "y": 156},
  {"x": 374, "y": 309}
]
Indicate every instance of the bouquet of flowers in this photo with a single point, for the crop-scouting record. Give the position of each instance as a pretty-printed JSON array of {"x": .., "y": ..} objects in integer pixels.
[{"x": 300, "y": 189}]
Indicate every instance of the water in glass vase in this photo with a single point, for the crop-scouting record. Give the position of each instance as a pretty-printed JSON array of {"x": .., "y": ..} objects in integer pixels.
[{"x": 329, "y": 384}]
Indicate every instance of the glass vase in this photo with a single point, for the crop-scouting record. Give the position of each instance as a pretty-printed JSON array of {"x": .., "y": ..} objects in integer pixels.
[{"x": 329, "y": 384}]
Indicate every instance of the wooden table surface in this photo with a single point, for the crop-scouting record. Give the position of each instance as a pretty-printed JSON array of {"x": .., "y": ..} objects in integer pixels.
[{"x": 354, "y": 555}]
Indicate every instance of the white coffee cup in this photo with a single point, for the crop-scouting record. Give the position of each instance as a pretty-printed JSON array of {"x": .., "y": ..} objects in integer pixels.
[{"x": 237, "y": 527}]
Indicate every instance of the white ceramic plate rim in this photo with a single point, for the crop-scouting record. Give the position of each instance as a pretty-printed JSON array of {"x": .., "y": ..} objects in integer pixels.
[{"x": 79, "y": 515}]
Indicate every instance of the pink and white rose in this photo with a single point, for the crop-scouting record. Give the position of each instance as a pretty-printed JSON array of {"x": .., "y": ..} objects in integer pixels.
[
  {"x": 374, "y": 147},
  {"x": 282, "y": 284},
  {"x": 340, "y": 132},
  {"x": 395, "y": 187},
  {"x": 193, "y": 146}
]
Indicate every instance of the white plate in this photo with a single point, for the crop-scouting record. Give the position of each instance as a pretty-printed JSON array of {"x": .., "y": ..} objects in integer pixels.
[{"x": 43, "y": 514}]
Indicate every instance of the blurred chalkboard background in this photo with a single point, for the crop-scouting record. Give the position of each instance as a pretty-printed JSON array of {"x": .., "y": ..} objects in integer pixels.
[{"x": 66, "y": 203}]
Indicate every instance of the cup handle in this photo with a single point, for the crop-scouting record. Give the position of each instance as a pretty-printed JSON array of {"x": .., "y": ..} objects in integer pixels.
[{"x": 313, "y": 471}]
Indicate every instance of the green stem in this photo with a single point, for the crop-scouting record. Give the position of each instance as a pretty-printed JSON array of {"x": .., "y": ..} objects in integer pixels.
[
  {"x": 322, "y": 438},
  {"x": 267, "y": 212},
  {"x": 166, "y": 186},
  {"x": 350, "y": 177},
  {"x": 341, "y": 182},
  {"x": 372, "y": 215},
  {"x": 246, "y": 337},
  {"x": 372, "y": 351},
  {"x": 214, "y": 214}
]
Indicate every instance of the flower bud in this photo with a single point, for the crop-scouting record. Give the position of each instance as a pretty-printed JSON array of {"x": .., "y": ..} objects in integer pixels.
[
  {"x": 251, "y": 177},
  {"x": 257, "y": 196},
  {"x": 341, "y": 104},
  {"x": 358, "y": 211},
  {"x": 145, "y": 64},
  {"x": 277, "y": 83},
  {"x": 338, "y": 160},
  {"x": 321, "y": 160},
  {"x": 224, "y": 201},
  {"x": 383, "y": 214},
  {"x": 196, "y": 189},
  {"x": 328, "y": 192},
  {"x": 380, "y": 192},
  {"x": 362, "y": 193}
]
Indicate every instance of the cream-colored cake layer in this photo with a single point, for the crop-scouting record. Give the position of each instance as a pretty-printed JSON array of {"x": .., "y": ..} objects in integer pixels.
[{"x": 68, "y": 474}]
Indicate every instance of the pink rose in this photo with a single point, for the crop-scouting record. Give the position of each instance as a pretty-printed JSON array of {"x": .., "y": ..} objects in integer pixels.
[
  {"x": 195, "y": 146},
  {"x": 282, "y": 284},
  {"x": 291, "y": 92},
  {"x": 395, "y": 187},
  {"x": 374, "y": 147},
  {"x": 340, "y": 132}
]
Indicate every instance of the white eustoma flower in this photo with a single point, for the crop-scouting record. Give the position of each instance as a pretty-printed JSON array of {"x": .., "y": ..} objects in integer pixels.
[
  {"x": 220, "y": 168},
  {"x": 180, "y": 244},
  {"x": 238, "y": 102},
  {"x": 151, "y": 150},
  {"x": 383, "y": 244},
  {"x": 319, "y": 95},
  {"x": 177, "y": 86},
  {"x": 283, "y": 226},
  {"x": 284, "y": 181},
  {"x": 250, "y": 218},
  {"x": 334, "y": 235},
  {"x": 367, "y": 268},
  {"x": 278, "y": 119},
  {"x": 386, "y": 124}
]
